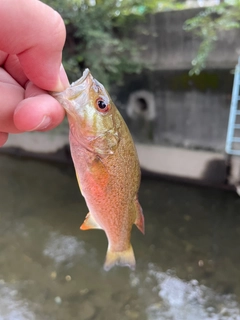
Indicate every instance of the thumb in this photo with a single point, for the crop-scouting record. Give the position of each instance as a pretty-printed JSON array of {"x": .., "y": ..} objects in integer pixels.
[{"x": 36, "y": 34}]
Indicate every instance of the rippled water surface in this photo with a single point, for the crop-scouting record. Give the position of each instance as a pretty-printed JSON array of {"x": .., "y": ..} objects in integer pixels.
[{"x": 188, "y": 263}]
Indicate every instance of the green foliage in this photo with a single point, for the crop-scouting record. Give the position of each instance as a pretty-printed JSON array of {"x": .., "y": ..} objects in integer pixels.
[
  {"x": 207, "y": 25},
  {"x": 100, "y": 35}
]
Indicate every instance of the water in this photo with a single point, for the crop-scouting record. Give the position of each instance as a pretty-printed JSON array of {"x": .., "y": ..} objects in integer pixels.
[{"x": 188, "y": 263}]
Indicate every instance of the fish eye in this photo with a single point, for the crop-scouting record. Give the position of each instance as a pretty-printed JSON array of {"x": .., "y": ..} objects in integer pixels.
[{"x": 102, "y": 105}]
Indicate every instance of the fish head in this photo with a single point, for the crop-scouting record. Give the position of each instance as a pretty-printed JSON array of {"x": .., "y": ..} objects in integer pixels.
[{"x": 93, "y": 118}]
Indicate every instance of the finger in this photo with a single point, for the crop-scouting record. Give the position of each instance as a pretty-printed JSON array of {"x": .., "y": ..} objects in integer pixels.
[
  {"x": 36, "y": 34},
  {"x": 13, "y": 67},
  {"x": 3, "y": 138},
  {"x": 38, "y": 111},
  {"x": 11, "y": 94},
  {"x": 3, "y": 57}
]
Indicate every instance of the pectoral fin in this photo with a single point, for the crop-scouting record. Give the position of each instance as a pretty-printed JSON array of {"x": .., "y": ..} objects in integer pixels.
[
  {"x": 90, "y": 223},
  {"x": 99, "y": 173},
  {"x": 139, "y": 222}
]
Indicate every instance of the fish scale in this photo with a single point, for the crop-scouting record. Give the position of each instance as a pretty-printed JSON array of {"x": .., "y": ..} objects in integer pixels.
[{"x": 106, "y": 165}]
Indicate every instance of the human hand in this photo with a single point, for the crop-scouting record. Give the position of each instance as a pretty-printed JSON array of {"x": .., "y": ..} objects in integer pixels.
[{"x": 32, "y": 37}]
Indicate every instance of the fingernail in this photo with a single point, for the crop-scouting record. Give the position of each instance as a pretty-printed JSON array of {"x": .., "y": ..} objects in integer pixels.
[
  {"x": 63, "y": 82},
  {"x": 46, "y": 121}
]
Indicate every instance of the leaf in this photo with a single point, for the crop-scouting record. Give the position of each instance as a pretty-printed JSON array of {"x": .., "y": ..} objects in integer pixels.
[
  {"x": 98, "y": 35},
  {"x": 208, "y": 24}
]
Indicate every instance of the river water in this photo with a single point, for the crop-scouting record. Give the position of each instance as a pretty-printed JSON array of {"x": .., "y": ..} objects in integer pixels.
[{"x": 188, "y": 263}]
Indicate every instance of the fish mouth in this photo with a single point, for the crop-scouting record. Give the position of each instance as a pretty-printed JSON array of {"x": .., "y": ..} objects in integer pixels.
[
  {"x": 75, "y": 87},
  {"x": 81, "y": 85},
  {"x": 78, "y": 90},
  {"x": 84, "y": 76}
]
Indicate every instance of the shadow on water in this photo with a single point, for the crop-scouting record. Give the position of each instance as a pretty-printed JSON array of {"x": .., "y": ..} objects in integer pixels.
[{"x": 188, "y": 264}]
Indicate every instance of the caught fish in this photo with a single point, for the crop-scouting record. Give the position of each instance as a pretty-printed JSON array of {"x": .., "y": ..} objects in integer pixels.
[{"x": 106, "y": 165}]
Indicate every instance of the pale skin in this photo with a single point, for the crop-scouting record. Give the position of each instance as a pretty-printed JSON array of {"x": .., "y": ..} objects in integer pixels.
[{"x": 32, "y": 36}]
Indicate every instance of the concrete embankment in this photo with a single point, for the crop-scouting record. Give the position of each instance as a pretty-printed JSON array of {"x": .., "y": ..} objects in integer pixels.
[{"x": 194, "y": 166}]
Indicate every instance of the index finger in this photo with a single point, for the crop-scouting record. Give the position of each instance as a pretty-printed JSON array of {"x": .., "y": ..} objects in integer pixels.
[{"x": 36, "y": 34}]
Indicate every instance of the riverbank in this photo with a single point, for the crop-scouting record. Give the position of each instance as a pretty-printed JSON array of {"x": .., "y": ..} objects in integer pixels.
[{"x": 194, "y": 166}]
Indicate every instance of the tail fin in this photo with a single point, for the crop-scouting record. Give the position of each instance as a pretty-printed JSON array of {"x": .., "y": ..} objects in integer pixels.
[{"x": 120, "y": 258}]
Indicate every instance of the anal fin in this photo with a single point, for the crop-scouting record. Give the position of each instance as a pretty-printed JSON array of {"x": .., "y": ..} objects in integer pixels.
[
  {"x": 139, "y": 222},
  {"x": 90, "y": 223}
]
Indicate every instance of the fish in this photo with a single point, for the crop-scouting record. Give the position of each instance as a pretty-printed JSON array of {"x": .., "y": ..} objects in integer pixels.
[{"x": 106, "y": 165}]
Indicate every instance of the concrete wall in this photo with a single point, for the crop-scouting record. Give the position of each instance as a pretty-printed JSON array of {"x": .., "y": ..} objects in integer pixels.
[
  {"x": 192, "y": 116},
  {"x": 192, "y": 120},
  {"x": 169, "y": 47},
  {"x": 190, "y": 112}
]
